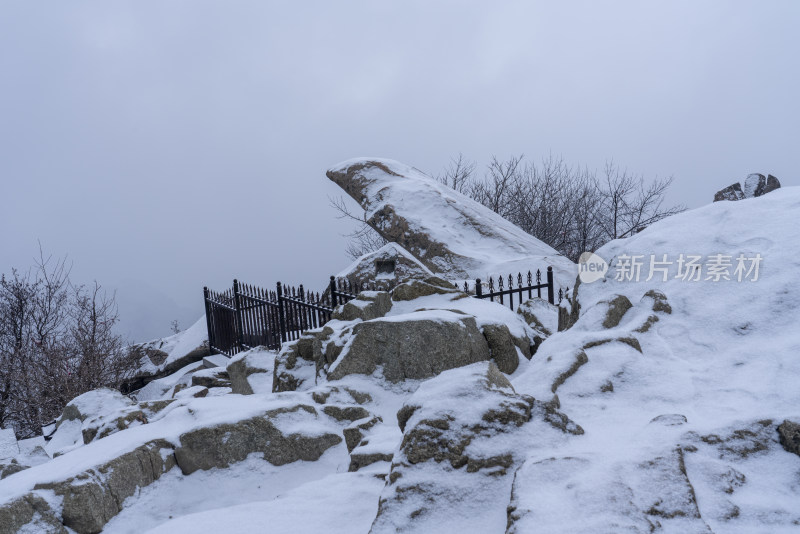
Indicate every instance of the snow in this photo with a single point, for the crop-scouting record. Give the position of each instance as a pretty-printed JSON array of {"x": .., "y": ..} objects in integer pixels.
[
  {"x": 8, "y": 443},
  {"x": 489, "y": 244},
  {"x": 388, "y": 250},
  {"x": 337, "y": 504},
  {"x": 177, "y": 346},
  {"x": 695, "y": 409},
  {"x": 725, "y": 358}
]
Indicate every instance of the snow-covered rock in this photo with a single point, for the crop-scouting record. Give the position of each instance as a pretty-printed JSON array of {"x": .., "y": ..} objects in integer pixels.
[
  {"x": 162, "y": 357},
  {"x": 448, "y": 232},
  {"x": 251, "y": 372},
  {"x": 386, "y": 267},
  {"x": 417, "y": 345},
  {"x": 680, "y": 385},
  {"x": 753, "y": 186}
]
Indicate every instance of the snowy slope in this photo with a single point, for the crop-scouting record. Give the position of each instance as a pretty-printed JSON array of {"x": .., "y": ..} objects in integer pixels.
[
  {"x": 692, "y": 416},
  {"x": 677, "y": 399}
]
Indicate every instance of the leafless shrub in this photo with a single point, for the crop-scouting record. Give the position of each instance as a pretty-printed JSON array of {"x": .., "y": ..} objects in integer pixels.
[{"x": 57, "y": 341}]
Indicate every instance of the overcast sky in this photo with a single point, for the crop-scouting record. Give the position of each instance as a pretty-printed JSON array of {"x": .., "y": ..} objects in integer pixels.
[{"x": 167, "y": 145}]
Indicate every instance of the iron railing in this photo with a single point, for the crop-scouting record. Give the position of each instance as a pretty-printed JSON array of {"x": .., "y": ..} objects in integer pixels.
[
  {"x": 499, "y": 289},
  {"x": 246, "y": 316}
]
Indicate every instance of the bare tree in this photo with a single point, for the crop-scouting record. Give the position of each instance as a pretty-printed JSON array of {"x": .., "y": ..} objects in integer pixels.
[
  {"x": 57, "y": 341},
  {"x": 627, "y": 204},
  {"x": 459, "y": 175},
  {"x": 363, "y": 239}
]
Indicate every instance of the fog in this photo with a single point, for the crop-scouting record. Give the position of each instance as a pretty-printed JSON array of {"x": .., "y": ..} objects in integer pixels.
[{"x": 164, "y": 146}]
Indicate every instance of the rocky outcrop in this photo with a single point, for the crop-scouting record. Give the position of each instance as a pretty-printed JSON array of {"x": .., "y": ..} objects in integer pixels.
[
  {"x": 386, "y": 267},
  {"x": 418, "y": 345},
  {"x": 458, "y": 432},
  {"x": 91, "y": 499},
  {"x": 251, "y": 372},
  {"x": 789, "y": 433},
  {"x": 222, "y": 445},
  {"x": 113, "y": 421},
  {"x": 437, "y": 225},
  {"x": 755, "y": 185},
  {"x": 366, "y": 306},
  {"x": 30, "y": 513}
]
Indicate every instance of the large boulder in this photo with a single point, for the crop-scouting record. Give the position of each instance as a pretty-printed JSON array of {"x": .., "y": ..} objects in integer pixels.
[
  {"x": 416, "y": 345},
  {"x": 461, "y": 438},
  {"x": 91, "y": 499},
  {"x": 438, "y": 225},
  {"x": 277, "y": 435},
  {"x": 93, "y": 407},
  {"x": 755, "y": 185}
]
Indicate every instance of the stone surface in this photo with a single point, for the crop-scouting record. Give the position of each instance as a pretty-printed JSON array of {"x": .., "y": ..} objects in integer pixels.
[
  {"x": 437, "y": 225},
  {"x": 216, "y": 377},
  {"x": 415, "y": 289},
  {"x": 368, "y": 305},
  {"x": 363, "y": 459},
  {"x": 90, "y": 500},
  {"x": 297, "y": 363},
  {"x": 9, "y": 468},
  {"x": 418, "y": 345},
  {"x": 449, "y": 424},
  {"x": 251, "y": 371},
  {"x": 502, "y": 347},
  {"x": 354, "y": 433},
  {"x": 789, "y": 435},
  {"x": 222, "y": 445},
  {"x": 32, "y": 513},
  {"x": 539, "y": 315},
  {"x": 345, "y": 413},
  {"x": 386, "y": 267},
  {"x": 755, "y": 185},
  {"x": 617, "y": 306}
]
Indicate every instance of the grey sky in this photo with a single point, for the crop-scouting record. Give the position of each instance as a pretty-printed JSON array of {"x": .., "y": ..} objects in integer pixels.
[{"x": 164, "y": 145}]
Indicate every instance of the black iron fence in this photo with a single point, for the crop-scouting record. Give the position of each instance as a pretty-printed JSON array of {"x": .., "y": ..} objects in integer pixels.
[
  {"x": 246, "y": 316},
  {"x": 502, "y": 287}
]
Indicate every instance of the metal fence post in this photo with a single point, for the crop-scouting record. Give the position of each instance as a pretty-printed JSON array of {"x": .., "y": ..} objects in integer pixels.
[
  {"x": 333, "y": 292},
  {"x": 478, "y": 288},
  {"x": 239, "y": 323},
  {"x": 281, "y": 315},
  {"x": 550, "y": 293},
  {"x": 208, "y": 321}
]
